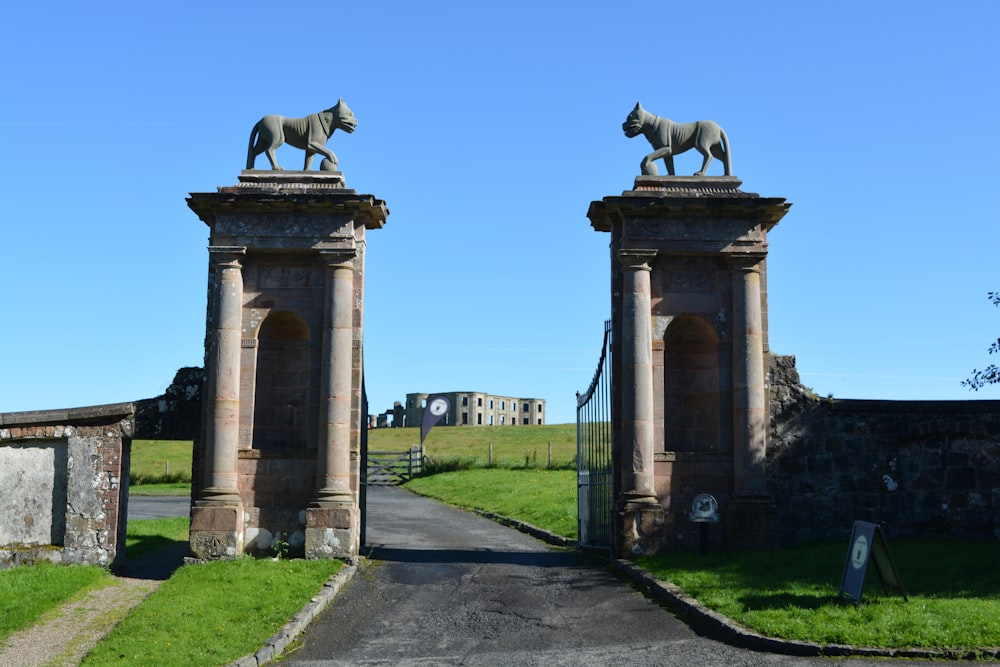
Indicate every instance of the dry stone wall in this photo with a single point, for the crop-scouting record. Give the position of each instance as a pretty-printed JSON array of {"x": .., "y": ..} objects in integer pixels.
[
  {"x": 176, "y": 414},
  {"x": 920, "y": 469}
]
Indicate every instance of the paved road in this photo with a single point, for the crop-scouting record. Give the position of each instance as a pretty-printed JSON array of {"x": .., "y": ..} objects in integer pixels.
[
  {"x": 449, "y": 588},
  {"x": 156, "y": 507}
]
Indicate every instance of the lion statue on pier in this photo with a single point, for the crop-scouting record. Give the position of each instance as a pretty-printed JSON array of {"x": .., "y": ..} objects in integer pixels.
[
  {"x": 669, "y": 138},
  {"x": 309, "y": 133}
]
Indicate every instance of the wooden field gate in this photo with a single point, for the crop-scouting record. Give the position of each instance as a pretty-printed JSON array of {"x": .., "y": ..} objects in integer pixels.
[{"x": 393, "y": 468}]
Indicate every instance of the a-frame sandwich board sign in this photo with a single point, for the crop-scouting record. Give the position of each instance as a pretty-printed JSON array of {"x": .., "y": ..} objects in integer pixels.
[{"x": 867, "y": 544}]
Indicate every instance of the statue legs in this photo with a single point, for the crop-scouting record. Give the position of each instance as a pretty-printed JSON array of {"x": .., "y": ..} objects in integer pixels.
[
  {"x": 648, "y": 165},
  {"x": 314, "y": 147}
]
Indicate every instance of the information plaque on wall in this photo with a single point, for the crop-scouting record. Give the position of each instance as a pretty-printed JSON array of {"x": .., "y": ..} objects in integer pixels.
[{"x": 868, "y": 544}]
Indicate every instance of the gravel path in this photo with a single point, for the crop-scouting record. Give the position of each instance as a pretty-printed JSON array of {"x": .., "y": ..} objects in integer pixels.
[{"x": 64, "y": 636}]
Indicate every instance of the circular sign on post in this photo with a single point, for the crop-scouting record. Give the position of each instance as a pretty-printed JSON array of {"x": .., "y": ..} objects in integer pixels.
[
  {"x": 859, "y": 552},
  {"x": 436, "y": 409},
  {"x": 704, "y": 509}
]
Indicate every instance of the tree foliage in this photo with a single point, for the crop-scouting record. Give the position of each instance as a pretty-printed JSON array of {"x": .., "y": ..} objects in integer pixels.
[{"x": 990, "y": 374}]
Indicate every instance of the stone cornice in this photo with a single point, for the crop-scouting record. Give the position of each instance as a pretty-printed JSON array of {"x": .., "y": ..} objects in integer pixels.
[
  {"x": 313, "y": 193},
  {"x": 681, "y": 196},
  {"x": 106, "y": 414}
]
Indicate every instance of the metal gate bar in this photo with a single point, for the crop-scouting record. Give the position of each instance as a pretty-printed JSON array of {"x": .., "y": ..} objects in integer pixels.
[{"x": 593, "y": 454}]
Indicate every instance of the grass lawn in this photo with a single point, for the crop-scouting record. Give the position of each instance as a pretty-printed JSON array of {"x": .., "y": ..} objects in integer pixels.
[
  {"x": 953, "y": 589},
  {"x": 516, "y": 446},
  {"x": 27, "y": 592},
  {"x": 173, "y": 489},
  {"x": 160, "y": 462},
  {"x": 163, "y": 467},
  {"x": 144, "y": 536},
  {"x": 543, "y": 498},
  {"x": 213, "y": 613}
]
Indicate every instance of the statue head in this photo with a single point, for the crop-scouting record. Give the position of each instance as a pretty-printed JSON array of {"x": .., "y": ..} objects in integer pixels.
[
  {"x": 343, "y": 117},
  {"x": 634, "y": 122}
]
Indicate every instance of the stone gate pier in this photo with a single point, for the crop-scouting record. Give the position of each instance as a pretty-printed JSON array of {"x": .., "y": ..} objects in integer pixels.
[
  {"x": 689, "y": 353},
  {"x": 277, "y": 460}
]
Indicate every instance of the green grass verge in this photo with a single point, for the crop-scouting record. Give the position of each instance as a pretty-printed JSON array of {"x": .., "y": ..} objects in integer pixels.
[
  {"x": 954, "y": 593},
  {"x": 462, "y": 447},
  {"x": 163, "y": 467},
  {"x": 27, "y": 592},
  {"x": 175, "y": 489},
  {"x": 543, "y": 498},
  {"x": 145, "y": 536},
  {"x": 160, "y": 462},
  {"x": 213, "y": 613}
]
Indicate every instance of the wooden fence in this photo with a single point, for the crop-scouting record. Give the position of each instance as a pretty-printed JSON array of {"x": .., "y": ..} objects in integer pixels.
[{"x": 394, "y": 468}]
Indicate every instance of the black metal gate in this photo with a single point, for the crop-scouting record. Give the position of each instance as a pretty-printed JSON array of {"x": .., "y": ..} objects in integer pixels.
[
  {"x": 593, "y": 454},
  {"x": 362, "y": 471}
]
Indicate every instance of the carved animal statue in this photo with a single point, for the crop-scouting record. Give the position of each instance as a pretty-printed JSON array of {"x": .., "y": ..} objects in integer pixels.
[
  {"x": 669, "y": 138},
  {"x": 309, "y": 133}
]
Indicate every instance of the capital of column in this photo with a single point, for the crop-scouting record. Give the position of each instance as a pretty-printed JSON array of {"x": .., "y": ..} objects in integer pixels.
[
  {"x": 746, "y": 262},
  {"x": 227, "y": 256},
  {"x": 339, "y": 259},
  {"x": 637, "y": 259}
]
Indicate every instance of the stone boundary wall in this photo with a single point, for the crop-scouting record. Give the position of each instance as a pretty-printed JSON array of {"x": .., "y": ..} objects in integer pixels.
[
  {"x": 176, "y": 414},
  {"x": 920, "y": 469},
  {"x": 64, "y": 480}
]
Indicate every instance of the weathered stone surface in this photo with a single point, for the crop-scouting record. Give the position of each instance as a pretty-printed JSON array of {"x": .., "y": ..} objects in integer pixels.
[
  {"x": 33, "y": 479},
  {"x": 215, "y": 545},
  {"x": 282, "y": 408},
  {"x": 175, "y": 415},
  {"x": 216, "y": 518},
  {"x": 65, "y": 476},
  {"x": 332, "y": 532},
  {"x": 919, "y": 468}
]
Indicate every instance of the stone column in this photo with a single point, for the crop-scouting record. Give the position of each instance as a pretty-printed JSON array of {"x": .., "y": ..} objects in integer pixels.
[
  {"x": 334, "y": 455},
  {"x": 224, "y": 380},
  {"x": 637, "y": 378},
  {"x": 217, "y": 517},
  {"x": 749, "y": 408}
]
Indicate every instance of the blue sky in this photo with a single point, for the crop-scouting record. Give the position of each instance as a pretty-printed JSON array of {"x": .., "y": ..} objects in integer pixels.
[{"x": 488, "y": 128}]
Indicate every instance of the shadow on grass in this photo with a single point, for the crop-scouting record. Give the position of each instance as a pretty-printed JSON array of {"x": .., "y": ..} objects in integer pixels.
[
  {"x": 787, "y": 601},
  {"x": 153, "y": 557}
]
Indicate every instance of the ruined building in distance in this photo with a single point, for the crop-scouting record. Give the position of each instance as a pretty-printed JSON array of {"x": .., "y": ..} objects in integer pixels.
[{"x": 468, "y": 408}]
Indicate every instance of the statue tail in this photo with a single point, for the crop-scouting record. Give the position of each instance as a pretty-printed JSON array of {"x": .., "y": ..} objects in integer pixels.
[
  {"x": 251, "y": 156},
  {"x": 729, "y": 155}
]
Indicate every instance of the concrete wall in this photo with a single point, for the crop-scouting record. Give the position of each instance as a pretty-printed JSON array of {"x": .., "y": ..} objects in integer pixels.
[
  {"x": 64, "y": 485},
  {"x": 921, "y": 469}
]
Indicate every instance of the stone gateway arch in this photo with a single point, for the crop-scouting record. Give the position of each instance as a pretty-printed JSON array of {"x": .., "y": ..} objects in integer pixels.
[
  {"x": 689, "y": 352},
  {"x": 278, "y": 457},
  {"x": 277, "y": 460}
]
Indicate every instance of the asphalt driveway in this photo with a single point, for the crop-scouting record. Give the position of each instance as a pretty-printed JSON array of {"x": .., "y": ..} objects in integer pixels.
[
  {"x": 157, "y": 507},
  {"x": 445, "y": 587}
]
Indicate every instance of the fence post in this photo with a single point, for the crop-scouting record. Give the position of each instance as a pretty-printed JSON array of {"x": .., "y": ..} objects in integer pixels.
[
  {"x": 416, "y": 460},
  {"x": 491, "y": 454},
  {"x": 550, "y": 455}
]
